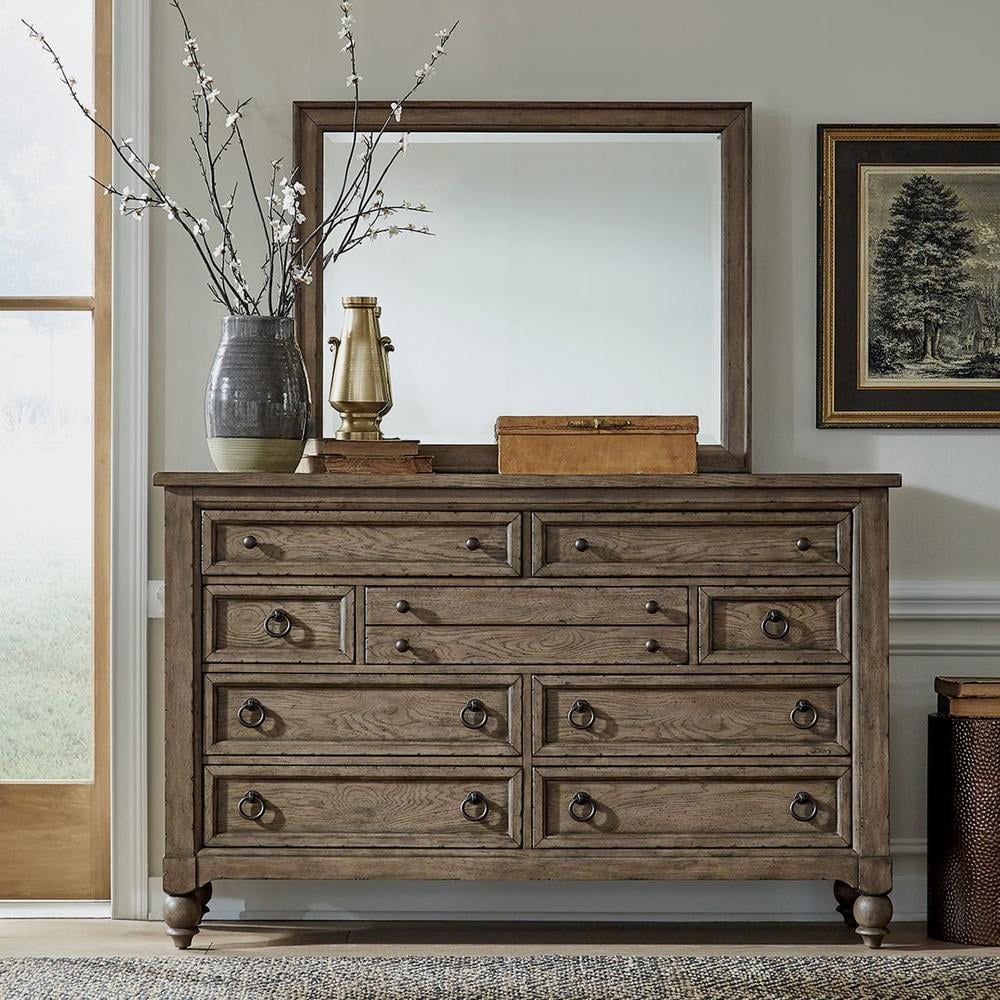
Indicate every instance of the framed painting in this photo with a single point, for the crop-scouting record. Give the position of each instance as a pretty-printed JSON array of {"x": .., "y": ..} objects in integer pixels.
[{"x": 909, "y": 276}]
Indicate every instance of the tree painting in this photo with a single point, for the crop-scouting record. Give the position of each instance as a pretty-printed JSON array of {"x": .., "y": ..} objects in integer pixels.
[{"x": 933, "y": 276}]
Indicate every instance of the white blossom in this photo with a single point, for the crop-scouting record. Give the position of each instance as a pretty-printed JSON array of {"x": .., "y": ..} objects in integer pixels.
[
  {"x": 153, "y": 168},
  {"x": 353, "y": 79},
  {"x": 425, "y": 72},
  {"x": 219, "y": 251},
  {"x": 404, "y": 142},
  {"x": 232, "y": 118},
  {"x": 299, "y": 187},
  {"x": 397, "y": 110},
  {"x": 299, "y": 218},
  {"x": 393, "y": 231},
  {"x": 187, "y": 61},
  {"x": 421, "y": 207},
  {"x": 202, "y": 226},
  {"x": 191, "y": 44},
  {"x": 444, "y": 34},
  {"x": 302, "y": 276},
  {"x": 212, "y": 95}
]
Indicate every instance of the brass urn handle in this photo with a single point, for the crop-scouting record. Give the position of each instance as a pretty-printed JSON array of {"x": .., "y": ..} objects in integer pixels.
[
  {"x": 278, "y": 623},
  {"x": 803, "y": 807},
  {"x": 803, "y": 707},
  {"x": 251, "y": 713},
  {"x": 334, "y": 344},
  {"x": 586, "y": 714},
  {"x": 474, "y": 714},
  {"x": 475, "y": 807},
  {"x": 251, "y": 806},
  {"x": 582, "y": 807},
  {"x": 774, "y": 624}
]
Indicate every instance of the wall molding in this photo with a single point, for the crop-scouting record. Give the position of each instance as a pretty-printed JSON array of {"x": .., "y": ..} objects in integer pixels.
[
  {"x": 951, "y": 600},
  {"x": 129, "y": 483}
]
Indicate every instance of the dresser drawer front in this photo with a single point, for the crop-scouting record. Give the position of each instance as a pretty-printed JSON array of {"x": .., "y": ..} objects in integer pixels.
[
  {"x": 359, "y": 543},
  {"x": 276, "y": 624},
  {"x": 774, "y": 625},
  {"x": 788, "y": 715},
  {"x": 723, "y": 807},
  {"x": 526, "y": 644},
  {"x": 375, "y": 806},
  {"x": 709, "y": 544},
  {"x": 362, "y": 714},
  {"x": 509, "y": 605}
]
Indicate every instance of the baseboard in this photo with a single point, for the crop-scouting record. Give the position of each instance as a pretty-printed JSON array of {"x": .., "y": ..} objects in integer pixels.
[
  {"x": 592, "y": 902},
  {"x": 46, "y": 909}
]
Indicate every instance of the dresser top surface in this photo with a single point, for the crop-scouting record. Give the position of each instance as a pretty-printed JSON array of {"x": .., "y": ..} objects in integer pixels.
[{"x": 335, "y": 481}]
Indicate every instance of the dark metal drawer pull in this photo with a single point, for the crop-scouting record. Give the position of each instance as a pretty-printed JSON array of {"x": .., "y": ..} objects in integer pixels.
[
  {"x": 278, "y": 624},
  {"x": 479, "y": 806},
  {"x": 473, "y": 707},
  {"x": 256, "y": 805},
  {"x": 580, "y": 707},
  {"x": 251, "y": 713},
  {"x": 402, "y": 646},
  {"x": 402, "y": 607},
  {"x": 652, "y": 645},
  {"x": 581, "y": 545},
  {"x": 802, "y": 544},
  {"x": 588, "y": 805},
  {"x": 249, "y": 542},
  {"x": 804, "y": 707},
  {"x": 803, "y": 799},
  {"x": 774, "y": 624},
  {"x": 652, "y": 607},
  {"x": 472, "y": 544}
]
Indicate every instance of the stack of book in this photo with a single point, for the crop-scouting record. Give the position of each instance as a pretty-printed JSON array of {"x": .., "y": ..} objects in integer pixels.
[
  {"x": 969, "y": 697},
  {"x": 388, "y": 456}
]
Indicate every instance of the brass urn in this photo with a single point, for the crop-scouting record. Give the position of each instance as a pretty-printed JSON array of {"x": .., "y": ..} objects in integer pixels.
[{"x": 361, "y": 390}]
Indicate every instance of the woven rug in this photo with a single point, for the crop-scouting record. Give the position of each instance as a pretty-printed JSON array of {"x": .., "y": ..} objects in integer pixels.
[{"x": 529, "y": 977}]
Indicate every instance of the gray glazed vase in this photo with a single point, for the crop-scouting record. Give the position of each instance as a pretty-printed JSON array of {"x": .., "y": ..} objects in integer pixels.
[{"x": 257, "y": 399}]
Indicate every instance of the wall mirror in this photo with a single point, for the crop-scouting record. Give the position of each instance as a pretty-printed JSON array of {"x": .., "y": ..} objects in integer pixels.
[{"x": 587, "y": 259}]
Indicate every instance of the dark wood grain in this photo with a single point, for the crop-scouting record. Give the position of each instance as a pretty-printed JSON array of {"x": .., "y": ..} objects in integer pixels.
[
  {"x": 527, "y": 606},
  {"x": 707, "y": 715},
  {"x": 526, "y": 644},
  {"x": 362, "y": 714}
]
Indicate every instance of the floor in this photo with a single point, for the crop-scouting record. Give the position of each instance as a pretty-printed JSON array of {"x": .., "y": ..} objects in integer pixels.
[{"x": 121, "y": 937}]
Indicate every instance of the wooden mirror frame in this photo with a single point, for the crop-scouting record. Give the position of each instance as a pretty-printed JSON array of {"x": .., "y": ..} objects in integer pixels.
[{"x": 732, "y": 121}]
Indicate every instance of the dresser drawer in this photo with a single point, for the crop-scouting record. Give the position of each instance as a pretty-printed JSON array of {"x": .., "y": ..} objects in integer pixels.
[
  {"x": 724, "y": 807},
  {"x": 276, "y": 624},
  {"x": 790, "y": 715},
  {"x": 373, "y": 806},
  {"x": 362, "y": 714},
  {"x": 774, "y": 625},
  {"x": 710, "y": 544},
  {"x": 359, "y": 543},
  {"x": 508, "y": 605},
  {"x": 526, "y": 644}
]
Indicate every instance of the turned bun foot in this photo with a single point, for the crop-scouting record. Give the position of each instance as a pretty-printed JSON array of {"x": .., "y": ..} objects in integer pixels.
[
  {"x": 204, "y": 896},
  {"x": 846, "y": 895},
  {"x": 872, "y": 914},
  {"x": 182, "y": 914}
]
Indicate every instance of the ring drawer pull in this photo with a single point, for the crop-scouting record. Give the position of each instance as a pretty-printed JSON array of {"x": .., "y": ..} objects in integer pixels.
[
  {"x": 581, "y": 545},
  {"x": 651, "y": 607},
  {"x": 652, "y": 646},
  {"x": 479, "y": 806},
  {"x": 774, "y": 624},
  {"x": 249, "y": 542},
  {"x": 251, "y": 713},
  {"x": 474, "y": 707},
  {"x": 804, "y": 707},
  {"x": 255, "y": 802},
  {"x": 580, "y": 707},
  {"x": 402, "y": 645},
  {"x": 472, "y": 544},
  {"x": 582, "y": 807},
  {"x": 402, "y": 607},
  {"x": 795, "y": 807},
  {"x": 278, "y": 623}
]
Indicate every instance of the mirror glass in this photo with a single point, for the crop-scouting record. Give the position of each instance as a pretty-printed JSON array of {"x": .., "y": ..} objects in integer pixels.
[{"x": 569, "y": 274}]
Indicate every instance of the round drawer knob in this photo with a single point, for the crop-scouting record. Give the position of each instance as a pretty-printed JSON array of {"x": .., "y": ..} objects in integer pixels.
[
  {"x": 803, "y": 715},
  {"x": 472, "y": 544},
  {"x": 581, "y": 545},
  {"x": 580, "y": 714},
  {"x": 402, "y": 607},
  {"x": 652, "y": 646},
  {"x": 774, "y": 624},
  {"x": 278, "y": 623},
  {"x": 475, "y": 807},
  {"x": 651, "y": 607},
  {"x": 251, "y": 806},
  {"x": 474, "y": 715},
  {"x": 582, "y": 807},
  {"x": 803, "y": 544},
  {"x": 249, "y": 542},
  {"x": 803, "y": 807},
  {"x": 251, "y": 713},
  {"x": 402, "y": 646}
]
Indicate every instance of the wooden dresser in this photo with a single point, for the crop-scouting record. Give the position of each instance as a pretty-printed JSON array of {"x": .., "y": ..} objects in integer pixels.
[{"x": 487, "y": 677}]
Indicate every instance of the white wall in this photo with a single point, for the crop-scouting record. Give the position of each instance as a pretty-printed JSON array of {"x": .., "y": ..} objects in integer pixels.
[{"x": 800, "y": 62}]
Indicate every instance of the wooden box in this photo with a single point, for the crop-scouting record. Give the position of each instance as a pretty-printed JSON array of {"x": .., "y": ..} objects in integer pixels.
[{"x": 597, "y": 446}]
